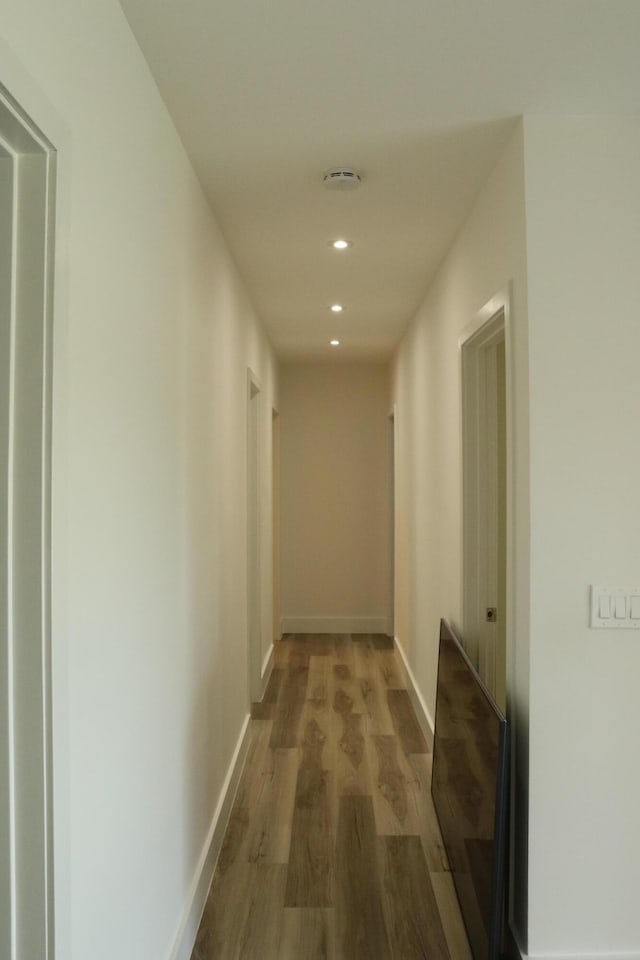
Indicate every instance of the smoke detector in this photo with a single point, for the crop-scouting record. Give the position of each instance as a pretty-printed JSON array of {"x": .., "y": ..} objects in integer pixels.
[{"x": 342, "y": 178}]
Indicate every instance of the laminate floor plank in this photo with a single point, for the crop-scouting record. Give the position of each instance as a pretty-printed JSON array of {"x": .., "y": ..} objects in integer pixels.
[
  {"x": 281, "y": 650},
  {"x": 374, "y": 696},
  {"x": 318, "y": 681},
  {"x": 363, "y": 659},
  {"x": 391, "y": 782},
  {"x": 224, "y": 920},
  {"x": 450, "y": 916},
  {"x": 349, "y": 758},
  {"x": 432, "y": 842},
  {"x": 308, "y": 933},
  {"x": 376, "y": 641},
  {"x": 269, "y": 827},
  {"x": 262, "y": 929},
  {"x": 291, "y": 700},
  {"x": 411, "y": 910},
  {"x": 396, "y": 792},
  {"x": 310, "y": 869},
  {"x": 235, "y": 844},
  {"x": 391, "y": 670},
  {"x": 351, "y": 741},
  {"x": 309, "y": 645},
  {"x": 360, "y": 925},
  {"x": 343, "y": 649},
  {"x": 349, "y": 762},
  {"x": 404, "y": 720},
  {"x": 266, "y": 708},
  {"x": 346, "y": 689},
  {"x": 274, "y": 684},
  {"x": 333, "y": 848}
]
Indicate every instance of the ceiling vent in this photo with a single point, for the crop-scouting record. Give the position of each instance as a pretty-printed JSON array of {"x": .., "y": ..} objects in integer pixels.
[{"x": 342, "y": 178}]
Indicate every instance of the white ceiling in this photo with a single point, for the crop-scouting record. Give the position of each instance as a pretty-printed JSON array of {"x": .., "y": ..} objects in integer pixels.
[{"x": 419, "y": 95}]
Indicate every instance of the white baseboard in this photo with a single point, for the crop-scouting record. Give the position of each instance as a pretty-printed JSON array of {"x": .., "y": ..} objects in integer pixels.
[
  {"x": 336, "y": 625},
  {"x": 199, "y": 889},
  {"x": 582, "y": 956},
  {"x": 421, "y": 710}
]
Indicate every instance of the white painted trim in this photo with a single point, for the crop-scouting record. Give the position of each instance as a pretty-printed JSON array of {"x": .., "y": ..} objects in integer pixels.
[
  {"x": 582, "y": 956},
  {"x": 37, "y": 105},
  {"x": 254, "y": 539},
  {"x": 265, "y": 674},
  {"x": 499, "y": 303},
  {"x": 417, "y": 700},
  {"x": 29, "y": 728},
  {"x": 479, "y": 332},
  {"x": 199, "y": 889},
  {"x": 392, "y": 461},
  {"x": 336, "y": 625},
  {"x": 490, "y": 324}
]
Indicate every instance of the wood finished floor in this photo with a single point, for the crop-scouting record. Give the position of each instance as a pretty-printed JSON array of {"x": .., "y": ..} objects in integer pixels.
[{"x": 333, "y": 848}]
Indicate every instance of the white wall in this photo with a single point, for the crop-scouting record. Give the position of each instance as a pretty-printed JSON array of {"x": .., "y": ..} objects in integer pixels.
[
  {"x": 488, "y": 256},
  {"x": 153, "y": 336},
  {"x": 583, "y": 238},
  {"x": 335, "y": 497},
  {"x": 557, "y": 222}
]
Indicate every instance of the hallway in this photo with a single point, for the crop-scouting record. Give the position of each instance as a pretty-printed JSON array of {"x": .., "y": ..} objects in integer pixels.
[{"x": 333, "y": 847}]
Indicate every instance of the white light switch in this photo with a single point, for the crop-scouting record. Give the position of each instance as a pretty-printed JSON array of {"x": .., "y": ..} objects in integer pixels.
[
  {"x": 621, "y": 607},
  {"x": 604, "y": 606},
  {"x": 615, "y": 608}
]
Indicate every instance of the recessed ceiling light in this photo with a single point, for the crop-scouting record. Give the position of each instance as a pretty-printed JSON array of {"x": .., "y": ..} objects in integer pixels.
[
  {"x": 340, "y": 244},
  {"x": 334, "y": 343},
  {"x": 336, "y": 308}
]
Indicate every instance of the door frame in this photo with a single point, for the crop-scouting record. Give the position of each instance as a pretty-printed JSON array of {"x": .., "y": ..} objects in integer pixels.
[
  {"x": 392, "y": 472},
  {"x": 26, "y": 807},
  {"x": 254, "y": 545},
  {"x": 275, "y": 524},
  {"x": 488, "y": 327}
]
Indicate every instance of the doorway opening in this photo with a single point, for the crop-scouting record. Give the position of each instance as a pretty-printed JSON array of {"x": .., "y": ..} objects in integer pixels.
[
  {"x": 488, "y": 519},
  {"x": 484, "y": 491},
  {"x": 275, "y": 521},
  {"x": 253, "y": 538},
  {"x": 391, "y": 436},
  {"x": 27, "y": 197}
]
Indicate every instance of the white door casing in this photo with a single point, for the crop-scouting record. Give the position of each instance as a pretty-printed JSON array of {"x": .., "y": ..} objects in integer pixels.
[
  {"x": 483, "y": 367},
  {"x": 275, "y": 523},
  {"x": 27, "y": 197},
  {"x": 254, "y": 632}
]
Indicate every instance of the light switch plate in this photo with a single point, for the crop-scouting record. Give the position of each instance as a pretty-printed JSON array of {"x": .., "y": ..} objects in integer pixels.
[{"x": 612, "y": 622}]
